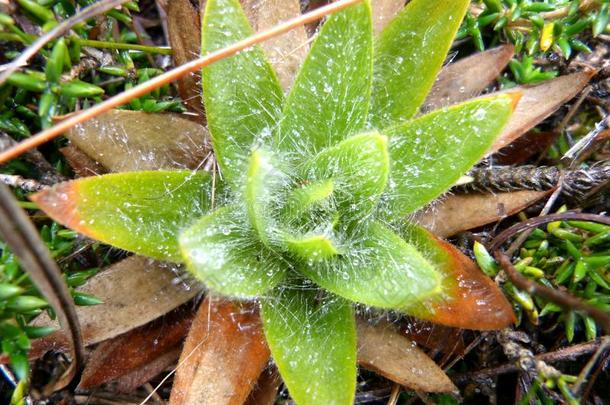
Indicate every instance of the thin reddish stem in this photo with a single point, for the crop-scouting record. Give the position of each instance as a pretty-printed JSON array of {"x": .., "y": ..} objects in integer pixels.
[{"x": 167, "y": 77}]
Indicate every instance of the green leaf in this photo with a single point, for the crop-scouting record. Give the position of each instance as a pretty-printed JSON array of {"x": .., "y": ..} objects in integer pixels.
[
  {"x": 313, "y": 343},
  {"x": 229, "y": 257},
  {"x": 313, "y": 247},
  {"x": 307, "y": 197},
  {"x": 430, "y": 153},
  {"x": 379, "y": 269},
  {"x": 242, "y": 96},
  {"x": 359, "y": 168},
  {"x": 142, "y": 212},
  {"x": 265, "y": 183},
  {"x": 409, "y": 53},
  {"x": 330, "y": 97}
]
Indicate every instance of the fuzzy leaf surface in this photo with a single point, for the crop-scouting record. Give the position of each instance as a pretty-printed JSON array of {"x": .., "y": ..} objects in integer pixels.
[
  {"x": 242, "y": 95},
  {"x": 313, "y": 343},
  {"x": 358, "y": 166},
  {"x": 379, "y": 269},
  {"x": 408, "y": 55},
  {"x": 469, "y": 299},
  {"x": 142, "y": 212},
  {"x": 430, "y": 153},
  {"x": 263, "y": 189},
  {"x": 330, "y": 96},
  {"x": 228, "y": 257}
]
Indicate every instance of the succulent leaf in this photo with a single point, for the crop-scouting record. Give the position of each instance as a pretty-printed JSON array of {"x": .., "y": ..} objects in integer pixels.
[
  {"x": 469, "y": 299},
  {"x": 330, "y": 97},
  {"x": 358, "y": 166},
  {"x": 379, "y": 269},
  {"x": 226, "y": 255},
  {"x": 142, "y": 212},
  {"x": 430, "y": 153},
  {"x": 409, "y": 53},
  {"x": 313, "y": 343},
  {"x": 242, "y": 95}
]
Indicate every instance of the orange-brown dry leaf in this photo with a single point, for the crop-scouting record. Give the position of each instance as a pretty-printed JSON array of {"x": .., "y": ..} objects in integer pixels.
[
  {"x": 467, "y": 77},
  {"x": 470, "y": 299},
  {"x": 538, "y": 102},
  {"x": 384, "y": 11},
  {"x": 135, "y": 349},
  {"x": 286, "y": 52},
  {"x": 223, "y": 356},
  {"x": 382, "y": 349},
  {"x": 184, "y": 30},
  {"x": 434, "y": 336},
  {"x": 461, "y": 212},
  {"x": 134, "y": 291},
  {"x": 128, "y": 383},
  {"x": 265, "y": 391},
  {"x": 123, "y": 141}
]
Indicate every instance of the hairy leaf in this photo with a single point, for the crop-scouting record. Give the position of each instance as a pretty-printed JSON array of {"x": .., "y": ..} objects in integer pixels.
[
  {"x": 470, "y": 299},
  {"x": 330, "y": 96},
  {"x": 312, "y": 247},
  {"x": 242, "y": 95},
  {"x": 220, "y": 251},
  {"x": 409, "y": 52},
  {"x": 310, "y": 195},
  {"x": 313, "y": 343},
  {"x": 359, "y": 168},
  {"x": 379, "y": 269},
  {"x": 263, "y": 188},
  {"x": 430, "y": 153},
  {"x": 142, "y": 212}
]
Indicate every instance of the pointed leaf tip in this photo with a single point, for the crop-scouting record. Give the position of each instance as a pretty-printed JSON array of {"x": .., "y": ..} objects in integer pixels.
[
  {"x": 141, "y": 212},
  {"x": 470, "y": 299}
]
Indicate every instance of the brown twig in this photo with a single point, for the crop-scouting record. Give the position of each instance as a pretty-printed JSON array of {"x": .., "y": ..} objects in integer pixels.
[
  {"x": 96, "y": 8},
  {"x": 167, "y": 77},
  {"x": 563, "y": 354}
]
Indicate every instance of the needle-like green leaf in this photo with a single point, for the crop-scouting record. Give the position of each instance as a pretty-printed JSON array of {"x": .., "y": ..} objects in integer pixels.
[
  {"x": 242, "y": 96},
  {"x": 227, "y": 256},
  {"x": 313, "y": 343},
  {"x": 430, "y": 153},
  {"x": 379, "y": 269},
  {"x": 409, "y": 53},
  {"x": 330, "y": 97},
  {"x": 142, "y": 212},
  {"x": 359, "y": 168}
]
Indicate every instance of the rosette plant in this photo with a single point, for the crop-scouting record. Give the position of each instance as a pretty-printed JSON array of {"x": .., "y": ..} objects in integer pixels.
[{"x": 308, "y": 214}]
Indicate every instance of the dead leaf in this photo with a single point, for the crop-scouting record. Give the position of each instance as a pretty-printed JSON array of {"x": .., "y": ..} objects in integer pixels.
[
  {"x": 223, "y": 356},
  {"x": 461, "y": 212},
  {"x": 538, "y": 102},
  {"x": 82, "y": 164},
  {"x": 128, "y": 383},
  {"x": 384, "y": 350},
  {"x": 130, "y": 352},
  {"x": 134, "y": 140},
  {"x": 384, "y": 11},
  {"x": 265, "y": 391},
  {"x": 469, "y": 299},
  {"x": 184, "y": 31},
  {"x": 467, "y": 77},
  {"x": 434, "y": 336},
  {"x": 524, "y": 147},
  {"x": 285, "y": 52},
  {"x": 134, "y": 291}
]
